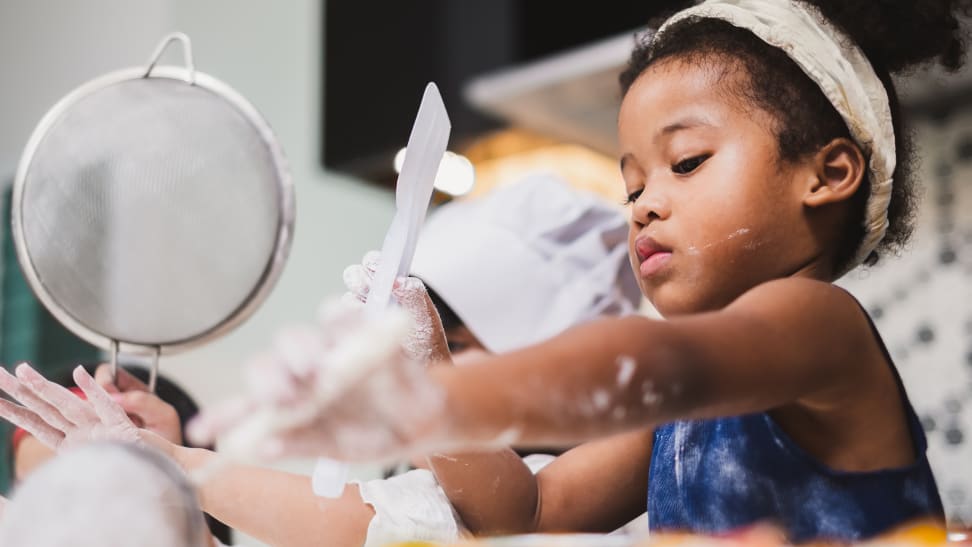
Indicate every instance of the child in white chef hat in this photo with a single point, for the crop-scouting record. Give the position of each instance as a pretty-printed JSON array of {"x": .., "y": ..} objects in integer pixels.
[{"x": 505, "y": 271}]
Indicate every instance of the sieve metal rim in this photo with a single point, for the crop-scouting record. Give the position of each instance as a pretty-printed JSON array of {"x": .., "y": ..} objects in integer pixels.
[{"x": 285, "y": 224}]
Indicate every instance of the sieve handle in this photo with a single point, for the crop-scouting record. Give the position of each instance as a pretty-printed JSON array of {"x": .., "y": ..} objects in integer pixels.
[
  {"x": 114, "y": 363},
  {"x": 186, "y": 54},
  {"x": 153, "y": 373}
]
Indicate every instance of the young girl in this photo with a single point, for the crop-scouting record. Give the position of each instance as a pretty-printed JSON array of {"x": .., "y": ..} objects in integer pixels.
[{"x": 763, "y": 154}]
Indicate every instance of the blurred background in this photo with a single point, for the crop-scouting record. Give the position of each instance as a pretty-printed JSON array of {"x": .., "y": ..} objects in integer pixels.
[{"x": 530, "y": 86}]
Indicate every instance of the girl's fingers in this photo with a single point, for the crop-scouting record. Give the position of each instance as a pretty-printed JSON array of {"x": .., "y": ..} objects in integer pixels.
[
  {"x": 125, "y": 381},
  {"x": 70, "y": 405},
  {"x": 108, "y": 411},
  {"x": 22, "y": 394},
  {"x": 357, "y": 280},
  {"x": 371, "y": 260},
  {"x": 299, "y": 443},
  {"x": 270, "y": 380},
  {"x": 128, "y": 382},
  {"x": 298, "y": 350},
  {"x": 213, "y": 422},
  {"x": 31, "y": 423}
]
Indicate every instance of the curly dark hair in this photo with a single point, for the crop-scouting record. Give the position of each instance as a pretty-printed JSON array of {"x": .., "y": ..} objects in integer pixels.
[{"x": 895, "y": 35}]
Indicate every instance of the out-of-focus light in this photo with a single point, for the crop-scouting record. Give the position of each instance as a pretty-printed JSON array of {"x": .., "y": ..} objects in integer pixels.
[
  {"x": 456, "y": 175},
  {"x": 399, "y": 160}
]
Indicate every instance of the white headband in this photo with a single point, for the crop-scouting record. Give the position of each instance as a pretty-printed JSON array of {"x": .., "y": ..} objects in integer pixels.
[{"x": 843, "y": 73}]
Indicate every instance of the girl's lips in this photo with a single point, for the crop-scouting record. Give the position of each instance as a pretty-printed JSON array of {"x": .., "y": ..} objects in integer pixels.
[
  {"x": 652, "y": 256},
  {"x": 654, "y": 263}
]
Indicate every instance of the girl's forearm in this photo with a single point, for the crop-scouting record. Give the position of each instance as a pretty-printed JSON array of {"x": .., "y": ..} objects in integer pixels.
[
  {"x": 276, "y": 507},
  {"x": 599, "y": 379}
]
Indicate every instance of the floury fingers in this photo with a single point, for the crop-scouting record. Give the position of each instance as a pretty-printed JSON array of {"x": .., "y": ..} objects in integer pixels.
[{"x": 350, "y": 393}]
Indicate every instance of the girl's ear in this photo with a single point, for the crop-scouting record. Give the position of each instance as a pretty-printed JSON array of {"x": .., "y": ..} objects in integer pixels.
[{"x": 839, "y": 168}]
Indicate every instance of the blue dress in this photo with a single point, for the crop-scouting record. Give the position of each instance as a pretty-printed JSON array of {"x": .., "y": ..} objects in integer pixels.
[{"x": 715, "y": 476}]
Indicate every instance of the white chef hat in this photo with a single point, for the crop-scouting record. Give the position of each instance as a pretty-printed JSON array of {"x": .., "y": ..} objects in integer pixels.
[{"x": 527, "y": 261}]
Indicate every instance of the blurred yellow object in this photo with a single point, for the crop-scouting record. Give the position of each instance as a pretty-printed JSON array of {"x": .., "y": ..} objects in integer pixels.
[
  {"x": 506, "y": 156},
  {"x": 918, "y": 534}
]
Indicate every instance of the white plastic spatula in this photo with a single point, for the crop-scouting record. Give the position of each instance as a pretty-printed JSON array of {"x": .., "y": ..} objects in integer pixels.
[
  {"x": 426, "y": 146},
  {"x": 413, "y": 191}
]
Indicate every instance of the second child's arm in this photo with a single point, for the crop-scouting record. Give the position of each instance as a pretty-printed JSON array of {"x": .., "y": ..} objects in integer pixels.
[{"x": 595, "y": 487}]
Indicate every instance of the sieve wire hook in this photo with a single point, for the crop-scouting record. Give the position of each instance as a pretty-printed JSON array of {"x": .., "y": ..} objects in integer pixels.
[
  {"x": 186, "y": 53},
  {"x": 153, "y": 373},
  {"x": 114, "y": 363}
]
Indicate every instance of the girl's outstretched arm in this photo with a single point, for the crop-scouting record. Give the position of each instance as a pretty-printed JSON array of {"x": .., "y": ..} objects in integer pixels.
[{"x": 792, "y": 346}]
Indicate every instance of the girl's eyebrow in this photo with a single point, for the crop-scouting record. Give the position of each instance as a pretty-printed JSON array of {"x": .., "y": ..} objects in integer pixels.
[
  {"x": 689, "y": 122},
  {"x": 682, "y": 124}
]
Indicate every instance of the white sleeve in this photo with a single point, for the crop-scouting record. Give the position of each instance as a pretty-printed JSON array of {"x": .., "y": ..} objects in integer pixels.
[
  {"x": 413, "y": 507},
  {"x": 536, "y": 462},
  {"x": 409, "y": 507}
]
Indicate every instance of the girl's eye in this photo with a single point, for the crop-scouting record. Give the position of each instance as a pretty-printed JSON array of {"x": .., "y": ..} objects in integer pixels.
[
  {"x": 456, "y": 347},
  {"x": 685, "y": 167},
  {"x": 633, "y": 196}
]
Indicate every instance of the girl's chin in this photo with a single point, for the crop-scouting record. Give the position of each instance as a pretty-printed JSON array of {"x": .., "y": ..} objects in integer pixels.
[{"x": 670, "y": 302}]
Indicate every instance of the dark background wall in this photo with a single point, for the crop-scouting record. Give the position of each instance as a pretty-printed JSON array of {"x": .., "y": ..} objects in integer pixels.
[{"x": 379, "y": 56}]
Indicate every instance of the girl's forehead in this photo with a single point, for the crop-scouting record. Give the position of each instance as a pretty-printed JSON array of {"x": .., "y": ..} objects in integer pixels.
[
  {"x": 673, "y": 93},
  {"x": 661, "y": 99},
  {"x": 676, "y": 83}
]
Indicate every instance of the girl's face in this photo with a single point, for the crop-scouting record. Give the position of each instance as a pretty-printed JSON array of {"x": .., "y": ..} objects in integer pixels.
[{"x": 714, "y": 210}]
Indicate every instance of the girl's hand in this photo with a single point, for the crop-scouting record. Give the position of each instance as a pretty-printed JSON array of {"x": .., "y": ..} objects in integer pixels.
[
  {"x": 426, "y": 341},
  {"x": 59, "y": 419},
  {"x": 344, "y": 390},
  {"x": 144, "y": 408}
]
